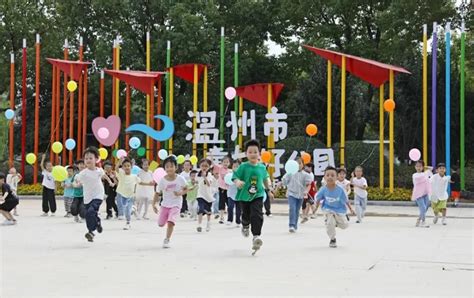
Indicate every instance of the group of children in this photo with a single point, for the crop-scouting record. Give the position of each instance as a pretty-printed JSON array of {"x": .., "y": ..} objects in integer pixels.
[{"x": 194, "y": 191}]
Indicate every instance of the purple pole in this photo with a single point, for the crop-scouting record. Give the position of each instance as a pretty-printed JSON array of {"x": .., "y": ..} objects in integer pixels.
[{"x": 434, "y": 50}]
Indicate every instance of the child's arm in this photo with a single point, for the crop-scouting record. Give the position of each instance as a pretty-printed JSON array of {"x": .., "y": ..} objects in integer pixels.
[
  {"x": 156, "y": 198},
  {"x": 348, "y": 204},
  {"x": 117, "y": 166},
  {"x": 106, "y": 178},
  {"x": 43, "y": 157},
  {"x": 19, "y": 177},
  {"x": 268, "y": 185}
]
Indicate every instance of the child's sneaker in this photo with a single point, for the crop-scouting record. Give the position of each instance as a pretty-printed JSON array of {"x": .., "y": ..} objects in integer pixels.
[
  {"x": 217, "y": 216},
  {"x": 443, "y": 221},
  {"x": 44, "y": 214},
  {"x": 145, "y": 218},
  {"x": 256, "y": 243},
  {"x": 313, "y": 216},
  {"x": 424, "y": 225},
  {"x": 182, "y": 216},
  {"x": 270, "y": 215},
  {"x": 53, "y": 214},
  {"x": 417, "y": 223},
  {"x": 120, "y": 217},
  {"x": 228, "y": 223},
  {"x": 127, "y": 226},
  {"x": 245, "y": 231},
  {"x": 90, "y": 236},
  {"x": 237, "y": 225},
  {"x": 208, "y": 227},
  {"x": 332, "y": 243},
  {"x": 99, "y": 228},
  {"x": 8, "y": 223},
  {"x": 109, "y": 217},
  {"x": 292, "y": 230},
  {"x": 15, "y": 213},
  {"x": 221, "y": 221},
  {"x": 435, "y": 219},
  {"x": 305, "y": 219},
  {"x": 199, "y": 229},
  {"x": 166, "y": 243}
]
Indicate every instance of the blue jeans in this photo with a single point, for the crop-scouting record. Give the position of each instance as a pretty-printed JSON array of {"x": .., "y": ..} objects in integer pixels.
[
  {"x": 127, "y": 204},
  {"x": 360, "y": 206},
  {"x": 118, "y": 198},
  {"x": 295, "y": 207},
  {"x": 423, "y": 205},
  {"x": 215, "y": 204},
  {"x": 230, "y": 211},
  {"x": 92, "y": 219}
]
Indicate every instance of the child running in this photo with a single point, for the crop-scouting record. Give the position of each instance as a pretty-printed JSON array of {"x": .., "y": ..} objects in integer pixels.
[
  {"x": 78, "y": 210},
  {"x": 231, "y": 203},
  {"x": 252, "y": 179},
  {"x": 360, "y": 193},
  {"x": 68, "y": 191},
  {"x": 49, "y": 187},
  {"x": 172, "y": 187},
  {"x": 439, "y": 192},
  {"x": 346, "y": 185},
  {"x": 145, "y": 189},
  {"x": 13, "y": 178},
  {"x": 127, "y": 184},
  {"x": 91, "y": 180},
  {"x": 187, "y": 167},
  {"x": 456, "y": 186},
  {"x": 309, "y": 203},
  {"x": 191, "y": 196},
  {"x": 334, "y": 202},
  {"x": 421, "y": 192},
  {"x": 222, "y": 170},
  {"x": 110, "y": 190},
  {"x": 298, "y": 185},
  {"x": 8, "y": 201},
  {"x": 205, "y": 196}
]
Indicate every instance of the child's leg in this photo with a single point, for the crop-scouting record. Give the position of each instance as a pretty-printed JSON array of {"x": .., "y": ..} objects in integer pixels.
[
  {"x": 331, "y": 225},
  {"x": 69, "y": 204},
  {"x": 222, "y": 203},
  {"x": 291, "y": 213},
  {"x": 208, "y": 218},
  {"x": 199, "y": 219},
  {"x": 44, "y": 200},
  {"x": 268, "y": 206},
  {"x": 119, "y": 205},
  {"x": 139, "y": 204},
  {"x": 169, "y": 230},
  {"x": 358, "y": 207},
  {"x": 435, "y": 208},
  {"x": 256, "y": 216},
  {"x": 341, "y": 221},
  {"x": 75, "y": 206},
  {"x": 245, "y": 206},
  {"x": 364, "y": 206},
  {"x": 52, "y": 201},
  {"x": 92, "y": 219},
  {"x": 108, "y": 205},
  {"x": 145, "y": 206},
  {"x": 6, "y": 214},
  {"x": 230, "y": 210},
  {"x": 238, "y": 213},
  {"x": 82, "y": 208},
  {"x": 127, "y": 205},
  {"x": 427, "y": 205}
]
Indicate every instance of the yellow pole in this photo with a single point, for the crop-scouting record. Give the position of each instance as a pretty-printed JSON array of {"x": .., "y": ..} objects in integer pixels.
[
  {"x": 195, "y": 103},
  {"x": 425, "y": 95},
  {"x": 148, "y": 103},
  {"x": 204, "y": 95},
  {"x": 270, "y": 141},
  {"x": 117, "y": 85},
  {"x": 391, "y": 124},
  {"x": 171, "y": 105},
  {"x": 241, "y": 110},
  {"x": 343, "y": 110},
  {"x": 329, "y": 86},
  {"x": 381, "y": 136}
]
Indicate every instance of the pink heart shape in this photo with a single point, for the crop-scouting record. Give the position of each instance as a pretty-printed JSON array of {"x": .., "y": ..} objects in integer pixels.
[{"x": 112, "y": 123}]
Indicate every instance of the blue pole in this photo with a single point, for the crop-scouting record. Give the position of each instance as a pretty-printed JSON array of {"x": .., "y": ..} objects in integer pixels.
[{"x": 448, "y": 100}]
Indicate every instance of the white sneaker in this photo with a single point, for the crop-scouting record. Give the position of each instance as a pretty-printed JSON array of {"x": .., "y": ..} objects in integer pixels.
[
  {"x": 76, "y": 218},
  {"x": 166, "y": 243},
  {"x": 127, "y": 227},
  {"x": 208, "y": 227},
  {"x": 292, "y": 230},
  {"x": 8, "y": 223},
  {"x": 45, "y": 214},
  {"x": 228, "y": 223},
  {"x": 305, "y": 219},
  {"x": 137, "y": 218},
  {"x": 443, "y": 221},
  {"x": 424, "y": 225},
  {"x": 417, "y": 223},
  {"x": 120, "y": 217},
  {"x": 435, "y": 219},
  {"x": 15, "y": 213},
  {"x": 237, "y": 225},
  {"x": 52, "y": 214}
]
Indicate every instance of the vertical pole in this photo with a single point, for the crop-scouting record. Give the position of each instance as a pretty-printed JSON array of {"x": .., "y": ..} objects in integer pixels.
[
  {"x": 127, "y": 114},
  {"x": 117, "y": 84},
  {"x": 101, "y": 104},
  {"x": 53, "y": 111},
  {"x": 85, "y": 110},
  {"x": 329, "y": 99},
  {"x": 343, "y": 111},
  {"x": 241, "y": 111},
  {"x": 391, "y": 134},
  {"x": 221, "y": 97},
  {"x": 65, "y": 114},
  {"x": 171, "y": 83},
  {"x": 270, "y": 139},
  {"x": 204, "y": 95},
  {"x": 462, "y": 111},
  {"x": 236, "y": 77},
  {"x": 149, "y": 117},
  {"x": 23, "y": 110},
  {"x": 158, "y": 102},
  {"x": 57, "y": 114},
  {"x": 37, "y": 90},
  {"x": 168, "y": 92},
  {"x": 114, "y": 58},
  {"x": 152, "y": 114},
  {"x": 195, "y": 103},
  {"x": 12, "y": 106},
  {"x": 425, "y": 95},
  {"x": 79, "y": 105},
  {"x": 71, "y": 118},
  {"x": 381, "y": 137},
  {"x": 448, "y": 100},
  {"x": 434, "y": 50}
]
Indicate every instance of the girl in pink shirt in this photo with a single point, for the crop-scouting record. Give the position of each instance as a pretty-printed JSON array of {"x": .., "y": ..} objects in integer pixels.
[
  {"x": 222, "y": 170},
  {"x": 421, "y": 191}
]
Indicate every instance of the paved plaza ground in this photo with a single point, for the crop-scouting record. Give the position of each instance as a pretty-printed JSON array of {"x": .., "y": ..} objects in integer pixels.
[{"x": 384, "y": 256}]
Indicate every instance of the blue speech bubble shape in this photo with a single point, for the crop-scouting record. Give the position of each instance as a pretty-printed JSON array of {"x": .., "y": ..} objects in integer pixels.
[{"x": 164, "y": 134}]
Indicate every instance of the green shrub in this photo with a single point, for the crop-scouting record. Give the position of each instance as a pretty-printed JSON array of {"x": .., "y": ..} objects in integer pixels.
[{"x": 36, "y": 189}]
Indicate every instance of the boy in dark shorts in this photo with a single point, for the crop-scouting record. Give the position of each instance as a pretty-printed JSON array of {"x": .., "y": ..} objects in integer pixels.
[{"x": 8, "y": 202}]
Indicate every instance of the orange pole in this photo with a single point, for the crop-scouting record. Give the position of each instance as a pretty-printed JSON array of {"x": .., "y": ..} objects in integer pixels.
[
  {"x": 114, "y": 58},
  {"x": 84, "y": 116},
  {"x": 71, "y": 118},
  {"x": 12, "y": 106},
  {"x": 158, "y": 103},
  {"x": 66, "y": 55},
  {"x": 152, "y": 119},
  {"x": 37, "y": 85},
  {"x": 127, "y": 115},
  {"x": 53, "y": 111},
  {"x": 57, "y": 114}
]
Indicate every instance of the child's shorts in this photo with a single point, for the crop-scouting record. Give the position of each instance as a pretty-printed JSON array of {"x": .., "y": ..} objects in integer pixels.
[
  {"x": 168, "y": 214},
  {"x": 437, "y": 206},
  {"x": 9, "y": 205},
  {"x": 455, "y": 194},
  {"x": 204, "y": 206}
]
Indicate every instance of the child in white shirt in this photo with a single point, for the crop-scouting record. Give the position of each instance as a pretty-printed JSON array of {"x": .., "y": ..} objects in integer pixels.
[
  {"x": 360, "y": 192},
  {"x": 439, "y": 192},
  {"x": 207, "y": 187},
  {"x": 13, "y": 178},
  {"x": 145, "y": 189}
]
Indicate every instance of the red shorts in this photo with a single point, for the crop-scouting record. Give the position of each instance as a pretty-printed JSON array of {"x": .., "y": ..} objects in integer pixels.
[{"x": 455, "y": 194}]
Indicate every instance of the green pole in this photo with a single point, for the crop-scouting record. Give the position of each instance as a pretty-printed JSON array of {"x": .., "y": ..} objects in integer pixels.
[
  {"x": 463, "y": 36},
  {"x": 236, "y": 77},
  {"x": 221, "y": 129},
  {"x": 167, "y": 100}
]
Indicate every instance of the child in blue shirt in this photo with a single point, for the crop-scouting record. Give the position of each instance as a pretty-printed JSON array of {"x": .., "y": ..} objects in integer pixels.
[{"x": 334, "y": 202}]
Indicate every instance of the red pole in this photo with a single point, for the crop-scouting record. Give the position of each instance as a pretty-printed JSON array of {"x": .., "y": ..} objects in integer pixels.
[
  {"x": 114, "y": 58},
  {"x": 65, "y": 116},
  {"x": 127, "y": 115},
  {"x": 37, "y": 85},
  {"x": 53, "y": 112},
  {"x": 79, "y": 107},
  {"x": 84, "y": 117},
  {"x": 12, "y": 106},
  {"x": 57, "y": 114},
  {"x": 23, "y": 111},
  {"x": 71, "y": 118}
]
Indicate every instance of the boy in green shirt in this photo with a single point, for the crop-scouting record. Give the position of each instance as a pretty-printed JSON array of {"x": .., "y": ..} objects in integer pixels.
[{"x": 252, "y": 179}]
